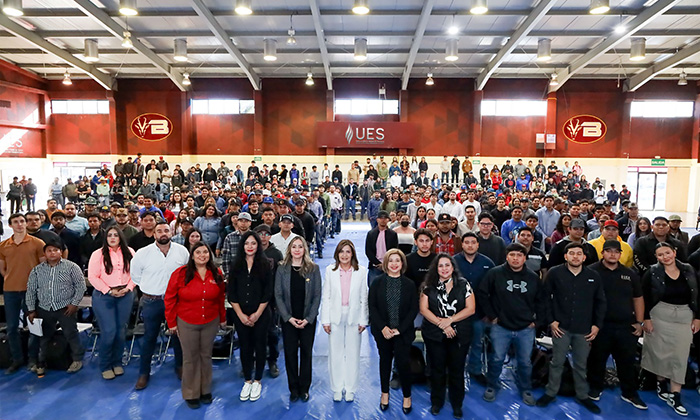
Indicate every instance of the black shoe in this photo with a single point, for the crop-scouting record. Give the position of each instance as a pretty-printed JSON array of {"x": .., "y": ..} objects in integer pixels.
[
  {"x": 383, "y": 407},
  {"x": 674, "y": 400},
  {"x": 478, "y": 378},
  {"x": 435, "y": 410},
  {"x": 14, "y": 367},
  {"x": 293, "y": 397},
  {"x": 662, "y": 390},
  {"x": 457, "y": 413},
  {"x": 589, "y": 405},
  {"x": 320, "y": 256},
  {"x": 594, "y": 394},
  {"x": 193, "y": 404},
  {"x": 274, "y": 370},
  {"x": 206, "y": 399},
  {"x": 635, "y": 401},
  {"x": 395, "y": 382},
  {"x": 305, "y": 397},
  {"x": 545, "y": 400},
  {"x": 407, "y": 410}
]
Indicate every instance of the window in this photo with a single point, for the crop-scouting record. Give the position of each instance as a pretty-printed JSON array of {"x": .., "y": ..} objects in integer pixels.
[
  {"x": 366, "y": 106},
  {"x": 80, "y": 107},
  {"x": 662, "y": 109},
  {"x": 222, "y": 106},
  {"x": 514, "y": 108}
]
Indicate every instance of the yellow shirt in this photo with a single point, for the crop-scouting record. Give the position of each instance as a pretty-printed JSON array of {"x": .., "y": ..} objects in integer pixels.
[{"x": 625, "y": 258}]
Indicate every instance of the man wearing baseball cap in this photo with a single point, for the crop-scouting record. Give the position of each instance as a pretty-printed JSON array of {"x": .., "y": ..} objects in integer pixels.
[
  {"x": 445, "y": 240},
  {"x": 622, "y": 325},
  {"x": 282, "y": 239},
  {"x": 611, "y": 232},
  {"x": 379, "y": 240},
  {"x": 576, "y": 231},
  {"x": 674, "y": 222}
]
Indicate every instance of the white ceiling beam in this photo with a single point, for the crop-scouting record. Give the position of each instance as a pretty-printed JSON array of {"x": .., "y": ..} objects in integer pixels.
[
  {"x": 107, "y": 81},
  {"x": 101, "y": 17},
  {"x": 633, "y": 26},
  {"x": 220, "y": 34},
  {"x": 417, "y": 40},
  {"x": 523, "y": 30},
  {"x": 639, "y": 79},
  {"x": 318, "y": 26}
]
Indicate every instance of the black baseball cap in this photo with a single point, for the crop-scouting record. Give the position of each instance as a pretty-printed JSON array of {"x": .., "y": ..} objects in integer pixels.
[
  {"x": 383, "y": 214},
  {"x": 612, "y": 244},
  {"x": 444, "y": 217},
  {"x": 287, "y": 217}
]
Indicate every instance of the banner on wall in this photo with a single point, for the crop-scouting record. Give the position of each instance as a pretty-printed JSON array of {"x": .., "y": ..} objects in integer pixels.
[
  {"x": 152, "y": 127},
  {"x": 18, "y": 142},
  {"x": 585, "y": 129},
  {"x": 380, "y": 135}
]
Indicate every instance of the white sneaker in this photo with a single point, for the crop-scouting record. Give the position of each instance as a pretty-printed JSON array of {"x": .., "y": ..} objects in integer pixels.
[
  {"x": 255, "y": 391},
  {"x": 349, "y": 396},
  {"x": 337, "y": 396},
  {"x": 245, "y": 392}
]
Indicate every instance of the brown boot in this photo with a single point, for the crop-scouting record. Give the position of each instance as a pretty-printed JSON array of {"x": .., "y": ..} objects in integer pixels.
[{"x": 142, "y": 382}]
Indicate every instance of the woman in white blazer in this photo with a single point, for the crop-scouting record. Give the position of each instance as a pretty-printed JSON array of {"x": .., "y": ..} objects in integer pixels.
[{"x": 344, "y": 316}]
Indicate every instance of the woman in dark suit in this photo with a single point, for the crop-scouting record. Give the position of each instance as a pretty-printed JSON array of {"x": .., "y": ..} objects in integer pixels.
[
  {"x": 393, "y": 305},
  {"x": 298, "y": 297}
]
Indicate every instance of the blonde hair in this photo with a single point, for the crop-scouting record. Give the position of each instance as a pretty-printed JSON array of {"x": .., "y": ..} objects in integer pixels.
[
  {"x": 389, "y": 253},
  {"x": 307, "y": 265}
]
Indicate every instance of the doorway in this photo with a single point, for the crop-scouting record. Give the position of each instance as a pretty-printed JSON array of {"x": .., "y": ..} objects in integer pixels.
[{"x": 648, "y": 187}]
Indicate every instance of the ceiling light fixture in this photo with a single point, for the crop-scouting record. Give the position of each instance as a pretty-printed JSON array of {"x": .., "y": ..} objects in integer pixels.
[
  {"x": 360, "y": 49},
  {"x": 553, "y": 80},
  {"x": 180, "y": 49},
  {"x": 13, "y": 8},
  {"x": 479, "y": 7},
  {"x": 429, "y": 81},
  {"x": 361, "y": 7},
  {"x": 544, "y": 49},
  {"x": 598, "y": 7},
  {"x": 91, "y": 52},
  {"x": 638, "y": 49},
  {"x": 309, "y": 79},
  {"x": 244, "y": 7},
  {"x": 683, "y": 79},
  {"x": 291, "y": 40},
  {"x": 128, "y": 7},
  {"x": 127, "y": 43},
  {"x": 66, "y": 79},
  {"x": 186, "y": 79},
  {"x": 270, "y": 49},
  {"x": 451, "y": 53}
]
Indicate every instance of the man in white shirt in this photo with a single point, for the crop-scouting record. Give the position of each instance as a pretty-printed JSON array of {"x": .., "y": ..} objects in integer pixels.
[
  {"x": 433, "y": 204},
  {"x": 282, "y": 239},
  {"x": 469, "y": 224},
  {"x": 471, "y": 201},
  {"x": 151, "y": 269},
  {"x": 453, "y": 207},
  {"x": 336, "y": 209}
]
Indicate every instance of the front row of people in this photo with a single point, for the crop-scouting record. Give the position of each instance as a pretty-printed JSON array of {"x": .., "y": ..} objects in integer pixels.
[{"x": 592, "y": 311}]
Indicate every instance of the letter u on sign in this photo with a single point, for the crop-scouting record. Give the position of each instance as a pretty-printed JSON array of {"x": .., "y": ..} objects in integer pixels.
[{"x": 151, "y": 127}]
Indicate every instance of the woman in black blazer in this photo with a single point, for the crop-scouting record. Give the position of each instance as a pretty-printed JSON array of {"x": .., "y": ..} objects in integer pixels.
[{"x": 393, "y": 305}]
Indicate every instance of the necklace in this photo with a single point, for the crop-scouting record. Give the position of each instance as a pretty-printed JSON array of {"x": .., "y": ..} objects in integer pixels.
[{"x": 297, "y": 269}]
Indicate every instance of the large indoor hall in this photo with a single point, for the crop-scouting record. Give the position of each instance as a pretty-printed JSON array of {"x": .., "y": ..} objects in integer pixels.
[{"x": 349, "y": 209}]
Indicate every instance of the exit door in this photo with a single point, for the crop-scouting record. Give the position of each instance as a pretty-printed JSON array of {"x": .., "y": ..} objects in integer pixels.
[{"x": 648, "y": 187}]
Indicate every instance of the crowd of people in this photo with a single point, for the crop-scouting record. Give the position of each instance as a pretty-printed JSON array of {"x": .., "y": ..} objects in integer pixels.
[{"x": 465, "y": 259}]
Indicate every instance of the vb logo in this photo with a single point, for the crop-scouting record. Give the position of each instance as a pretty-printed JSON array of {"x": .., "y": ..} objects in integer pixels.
[{"x": 151, "y": 127}]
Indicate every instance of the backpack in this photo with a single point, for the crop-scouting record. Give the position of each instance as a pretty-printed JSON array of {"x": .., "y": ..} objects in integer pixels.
[
  {"x": 417, "y": 363},
  {"x": 58, "y": 354}
]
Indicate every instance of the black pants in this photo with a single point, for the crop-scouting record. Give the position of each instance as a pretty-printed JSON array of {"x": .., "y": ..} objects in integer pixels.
[
  {"x": 273, "y": 336},
  {"x": 298, "y": 346},
  {"x": 447, "y": 359},
  {"x": 398, "y": 349},
  {"x": 70, "y": 331},
  {"x": 619, "y": 341},
  {"x": 253, "y": 344},
  {"x": 15, "y": 204},
  {"x": 455, "y": 177}
]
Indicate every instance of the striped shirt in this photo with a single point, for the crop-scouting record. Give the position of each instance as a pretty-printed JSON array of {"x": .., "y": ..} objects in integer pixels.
[{"x": 55, "y": 287}]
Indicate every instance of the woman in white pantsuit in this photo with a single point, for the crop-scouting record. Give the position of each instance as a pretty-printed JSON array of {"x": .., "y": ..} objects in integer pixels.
[{"x": 344, "y": 316}]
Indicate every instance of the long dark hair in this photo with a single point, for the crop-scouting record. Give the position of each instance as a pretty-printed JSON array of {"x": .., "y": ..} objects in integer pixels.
[
  {"x": 637, "y": 232},
  {"x": 187, "y": 238},
  {"x": 353, "y": 261},
  {"x": 560, "y": 223},
  {"x": 192, "y": 267},
  {"x": 261, "y": 264},
  {"x": 432, "y": 277},
  {"x": 123, "y": 247}
]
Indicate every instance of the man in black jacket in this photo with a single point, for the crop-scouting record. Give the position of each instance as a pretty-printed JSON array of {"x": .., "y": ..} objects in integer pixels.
[
  {"x": 576, "y": 232},
  {"x": 575, "y": 311},
  {"x": 645, "y": 247},
  {"x": 351, "y": 195},
  {"x": 374, "y": 249},
  {"x": 307, "y": 220},
  {"x": 513, "y": 299}
]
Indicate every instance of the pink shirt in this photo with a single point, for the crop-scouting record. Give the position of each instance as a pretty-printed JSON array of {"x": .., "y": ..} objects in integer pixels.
[
  {"x": 99, "y": 278},
  {"x": 381, "y": 245},
  {"x": 345, "y": 281}
]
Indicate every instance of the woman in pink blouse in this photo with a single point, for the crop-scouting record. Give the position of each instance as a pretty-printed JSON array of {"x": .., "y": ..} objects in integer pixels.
[{"x": 112, "y": 300}]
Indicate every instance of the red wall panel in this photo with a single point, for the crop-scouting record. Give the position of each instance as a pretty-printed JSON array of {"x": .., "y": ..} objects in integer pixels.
[
  {"x": 20, "y": 106},
  {"x": 79, "y": 134},
  {"x": 670, "y": 138},
  {"x": 510, "y": 136},
  {"x": 223, "y": 134}
]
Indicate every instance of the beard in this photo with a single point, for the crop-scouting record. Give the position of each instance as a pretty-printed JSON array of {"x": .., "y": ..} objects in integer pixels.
[{"x": 163, "y": 240}]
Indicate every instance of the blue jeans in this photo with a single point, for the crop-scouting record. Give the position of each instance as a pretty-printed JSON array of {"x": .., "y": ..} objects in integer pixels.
[
  {"x": 350, "y": 209},
  {"x": 445, "y": 177},
  {"x": 112, "y": 317},
  {"x": 335, "y": 222},
  {"x": 475, "y": 364},
  {"x": 153, "y": 314},
  {"x": 372, "y": 274},
  {"x": 319, "y": 238},
  {"x": 363, "y": 208},
  {"x": 501, "y": 339},
  {"x": 14, "y": 303}
]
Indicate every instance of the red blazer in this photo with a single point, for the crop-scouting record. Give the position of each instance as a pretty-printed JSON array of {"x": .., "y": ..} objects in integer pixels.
[{"x": 199, "y": 302}]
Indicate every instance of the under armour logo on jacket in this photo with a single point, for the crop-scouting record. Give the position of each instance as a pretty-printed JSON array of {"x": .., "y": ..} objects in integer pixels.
[{"x": 522, "y": 286}]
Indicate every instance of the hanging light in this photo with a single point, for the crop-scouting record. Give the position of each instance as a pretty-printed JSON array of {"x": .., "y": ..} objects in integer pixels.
[
  {"x": 638, "y": 49},
  {"x": 360, "y": 49},
  {"x": 479, "y": 7},
  {"x": 451, "y": 50},
  {"x": 243, "y": 7},
  {"x": 13, "y": 8},
  {"x": 598, "y": 7},
  {"x": 180, "y": 49},
  {"x": 186, "y": 79},
  {"x": 544, "y": 49},
  {"x": 91, "y": 53},
  {"x": 126, "y": 43},
  {"x": 683, "y": 79},
  {"x": 553, "y": 80},
  {"x": 429, "y": 81},
  {"x": 128, "y": 7},
  {"x": 361, "y": 7},
  {"x": 66, "y": 79},
  {"x": 291, "y": 40},
  {"x": 309, "y": 79},
  {"x": 270, "y": 50}
]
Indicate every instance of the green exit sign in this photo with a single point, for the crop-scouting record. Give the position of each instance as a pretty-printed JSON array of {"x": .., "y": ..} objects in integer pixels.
[
  {"x": 258, "y": 158},
  {"x": 658, "y": 162},
  {"x": 476, "y": 162}
]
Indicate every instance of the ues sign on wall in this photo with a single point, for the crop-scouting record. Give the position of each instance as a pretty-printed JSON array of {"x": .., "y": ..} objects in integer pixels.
[
  {"x": 151, "y": 127},
  {"x": 384, "y": 135},
  {"x": 584, "y": 129}
]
